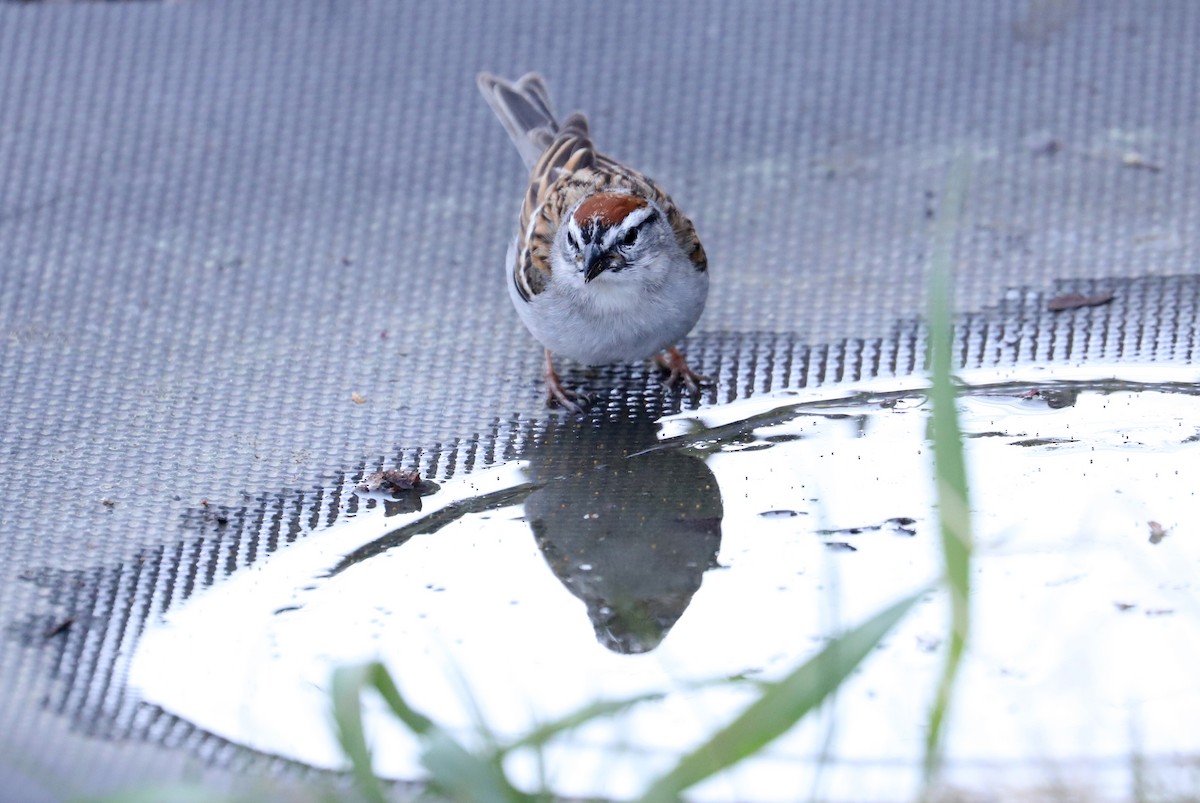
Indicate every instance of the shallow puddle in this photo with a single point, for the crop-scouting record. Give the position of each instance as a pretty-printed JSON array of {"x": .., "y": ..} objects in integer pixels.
[{"x": 656, "y": 556}]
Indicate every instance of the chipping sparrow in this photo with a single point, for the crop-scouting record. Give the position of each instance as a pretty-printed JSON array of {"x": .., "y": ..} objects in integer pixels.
[{"x": 604, "y": 267}]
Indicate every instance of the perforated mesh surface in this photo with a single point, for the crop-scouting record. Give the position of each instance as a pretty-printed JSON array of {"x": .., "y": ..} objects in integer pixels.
[{"x": 220, "y": 220}]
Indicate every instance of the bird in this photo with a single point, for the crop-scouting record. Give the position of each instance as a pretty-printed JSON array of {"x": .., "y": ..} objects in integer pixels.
[{"x": 604, "y": 267}]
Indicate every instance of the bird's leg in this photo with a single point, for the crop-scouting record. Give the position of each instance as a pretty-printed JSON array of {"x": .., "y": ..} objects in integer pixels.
[
  {"x": 674, "y": 364},
  {"x": 556, "y": 393}
]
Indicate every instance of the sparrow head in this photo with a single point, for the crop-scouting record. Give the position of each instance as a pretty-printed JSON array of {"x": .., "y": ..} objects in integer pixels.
[{"x": 608, "y": 232}]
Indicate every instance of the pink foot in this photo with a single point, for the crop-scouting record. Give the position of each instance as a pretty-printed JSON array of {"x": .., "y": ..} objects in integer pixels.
[
  {"x": 674, "y": 364},
  {"x": 556, "y": 394}
]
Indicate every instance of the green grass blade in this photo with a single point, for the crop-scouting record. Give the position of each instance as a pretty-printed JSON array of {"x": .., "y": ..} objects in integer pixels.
[
  {"x": 781, "y": 705},
  {"x": 950, "y": 472},
  {"x": 458, "y": 774},
  {"x": 454, "y": 771},
  {"x": 949, "y": 462},
  {"x": 381, "y": 679},
  {"x": 539, "y": 736},
  {"x": 348, "y": 683}
]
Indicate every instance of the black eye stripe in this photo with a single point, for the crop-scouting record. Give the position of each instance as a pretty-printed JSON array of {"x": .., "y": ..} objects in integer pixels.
[{"x": 631, "y": 236}]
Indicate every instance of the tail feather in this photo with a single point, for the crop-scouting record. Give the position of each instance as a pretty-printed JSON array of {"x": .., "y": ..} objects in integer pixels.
[
  {"x": 524, "y": 110},
  {"x": 533, "y": 87}
]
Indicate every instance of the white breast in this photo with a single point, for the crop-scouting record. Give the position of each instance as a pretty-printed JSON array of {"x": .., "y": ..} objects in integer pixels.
[{"x": 617, "y": 317}]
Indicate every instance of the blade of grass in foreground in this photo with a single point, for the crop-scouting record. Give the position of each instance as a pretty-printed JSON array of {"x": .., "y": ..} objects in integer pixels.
[
  {"x": 454, "y": 771},
  {"x": 543, "y": 734},
  {"x": 950, "y": 472},
  {"x": 782, "y": 705},
  {"x": 348, "y": 684}
]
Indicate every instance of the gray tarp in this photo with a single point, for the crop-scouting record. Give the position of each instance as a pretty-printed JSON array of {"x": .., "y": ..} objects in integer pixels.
[{"x": 219, "y": 221}]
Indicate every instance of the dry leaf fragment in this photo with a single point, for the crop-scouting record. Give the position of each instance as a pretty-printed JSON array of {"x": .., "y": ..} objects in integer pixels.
[
  {"x": 391, "y": 479},
  {"x": 1138, "y": 162},
  {"x": 1077, "y": 300}
]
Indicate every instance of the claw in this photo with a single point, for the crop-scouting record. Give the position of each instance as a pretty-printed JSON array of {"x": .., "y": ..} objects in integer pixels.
[
  {"x": 556, "y": 394},
  {"x": 675, "y": 365}
]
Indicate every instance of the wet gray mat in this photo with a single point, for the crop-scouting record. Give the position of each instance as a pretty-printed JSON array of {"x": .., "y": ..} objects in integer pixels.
[
  {"x": 222, "y": 221},
  {"x": 85, "y": 620}
]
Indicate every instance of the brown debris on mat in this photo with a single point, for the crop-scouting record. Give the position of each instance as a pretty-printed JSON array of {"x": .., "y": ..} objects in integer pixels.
[
  {"x": 393, "y": 480},
  {"x": 1078, "y": 300}
]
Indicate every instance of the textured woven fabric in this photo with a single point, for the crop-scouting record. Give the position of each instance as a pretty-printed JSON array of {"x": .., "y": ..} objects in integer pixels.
[{"x": 253, "y": 247}]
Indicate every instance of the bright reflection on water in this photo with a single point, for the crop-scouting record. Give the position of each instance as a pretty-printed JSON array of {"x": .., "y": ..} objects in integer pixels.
[{"x": 641, "y": 556}]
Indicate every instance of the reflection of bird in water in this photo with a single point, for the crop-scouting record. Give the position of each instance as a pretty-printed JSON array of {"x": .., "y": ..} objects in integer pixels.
[{"x": 630, "y": 536}]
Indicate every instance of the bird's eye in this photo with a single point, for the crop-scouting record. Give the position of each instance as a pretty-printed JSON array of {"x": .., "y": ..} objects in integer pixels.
[{"x": 630, "y": 237}]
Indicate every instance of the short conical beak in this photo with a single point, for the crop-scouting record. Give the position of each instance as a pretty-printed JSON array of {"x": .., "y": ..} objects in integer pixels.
[{"x": 594, "y": 261}]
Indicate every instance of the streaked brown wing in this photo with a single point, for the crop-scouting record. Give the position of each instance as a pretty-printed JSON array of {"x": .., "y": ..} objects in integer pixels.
[{"x": 562, "y": 176}]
